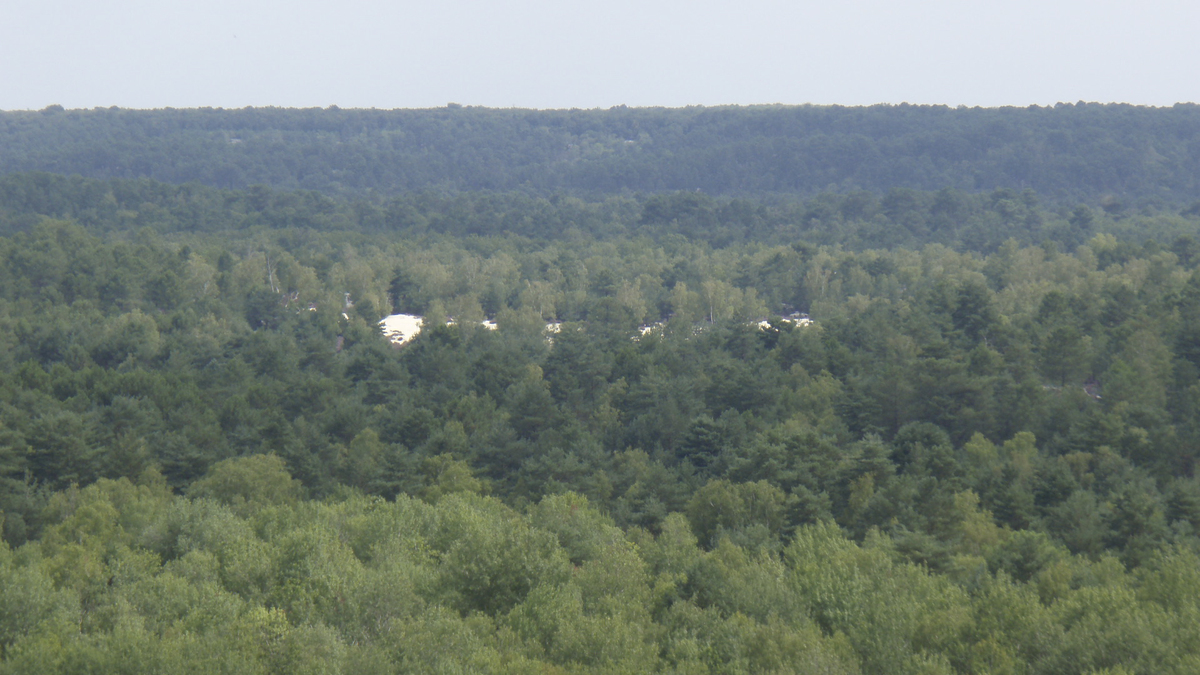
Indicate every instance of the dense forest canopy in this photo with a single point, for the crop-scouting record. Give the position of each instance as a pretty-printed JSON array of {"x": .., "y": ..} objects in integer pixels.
[
  {"x": 858, "y": 220},
  {"x": 1083, "y": 152},
  {"x": 979, "y": 456}
]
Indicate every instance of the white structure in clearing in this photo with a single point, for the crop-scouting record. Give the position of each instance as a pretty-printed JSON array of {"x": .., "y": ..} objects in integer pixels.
[
  {"x": 797, "y": 320},
  {"x": 401, "y": 329}
]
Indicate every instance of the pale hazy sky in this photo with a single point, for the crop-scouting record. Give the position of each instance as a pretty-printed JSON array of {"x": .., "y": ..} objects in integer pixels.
[{"x": 587, "y": 54}]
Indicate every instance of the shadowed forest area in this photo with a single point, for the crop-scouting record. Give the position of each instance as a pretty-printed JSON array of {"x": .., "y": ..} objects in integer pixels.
[
  {"x": 1079, "y": 152},
  {"x": 979, "y": 457}
]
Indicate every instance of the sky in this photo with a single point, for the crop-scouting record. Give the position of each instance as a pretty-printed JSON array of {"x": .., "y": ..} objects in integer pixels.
[{"x": 589, "y": 54}]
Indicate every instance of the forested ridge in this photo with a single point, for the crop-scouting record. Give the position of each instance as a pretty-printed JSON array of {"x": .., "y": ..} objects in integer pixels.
[
  {"x": 1082, "y": 152},
  {"x": 979, "y": 457}
]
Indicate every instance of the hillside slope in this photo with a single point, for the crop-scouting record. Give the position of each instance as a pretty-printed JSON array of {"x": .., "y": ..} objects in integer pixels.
[{"x": 1086, "y": 152}]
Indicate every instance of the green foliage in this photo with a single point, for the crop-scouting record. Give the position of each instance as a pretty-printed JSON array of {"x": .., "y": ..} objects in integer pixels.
[
  {"x": 245, "y": 483},
  {"x": 1068, "y": 150},
  {"x": 745, "y": 511},
  {"x": 468, "y": 584},
  {"x": 445, "y": 475},
  {"x": 977, "y": 455}
]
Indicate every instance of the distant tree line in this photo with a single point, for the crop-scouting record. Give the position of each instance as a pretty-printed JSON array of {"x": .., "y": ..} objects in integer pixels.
[
  {"x": 860, "y": 220},
  {"x": 1119, "y": 155}
]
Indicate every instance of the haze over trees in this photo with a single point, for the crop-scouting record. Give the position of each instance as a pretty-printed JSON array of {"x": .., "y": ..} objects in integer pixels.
[
  {"x": 979, "y": 457},
  {"x": 1081, "y": 152}
]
